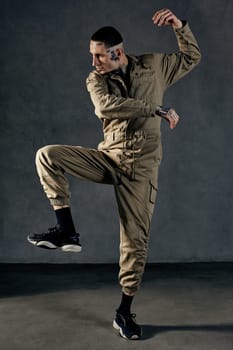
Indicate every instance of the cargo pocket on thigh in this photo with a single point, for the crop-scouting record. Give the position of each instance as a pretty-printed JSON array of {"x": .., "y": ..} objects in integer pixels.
[
  {"x": 153, "y": 193},
  {"x": 152, "y": 196}
]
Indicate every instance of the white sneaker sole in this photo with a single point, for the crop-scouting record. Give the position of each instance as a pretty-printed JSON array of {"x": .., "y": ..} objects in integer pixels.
[
  {"x": 71, "y": 248},
  {"x": 119, "y": 329},
  {"x": 65, "y": 248}
]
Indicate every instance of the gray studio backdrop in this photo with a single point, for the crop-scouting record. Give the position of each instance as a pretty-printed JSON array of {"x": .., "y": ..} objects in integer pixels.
[{"x": 44, "y": 63}]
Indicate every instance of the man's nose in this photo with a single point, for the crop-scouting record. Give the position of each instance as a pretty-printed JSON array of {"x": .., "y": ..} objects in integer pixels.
[{"x": 95, "y": 61}]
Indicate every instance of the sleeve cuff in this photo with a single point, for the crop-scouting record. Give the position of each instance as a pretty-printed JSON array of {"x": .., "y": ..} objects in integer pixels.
[{"x": 183, "y": 28}]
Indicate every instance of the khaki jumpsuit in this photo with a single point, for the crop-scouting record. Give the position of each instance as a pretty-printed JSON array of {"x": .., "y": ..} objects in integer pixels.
[{"x": 130, "y": 154}]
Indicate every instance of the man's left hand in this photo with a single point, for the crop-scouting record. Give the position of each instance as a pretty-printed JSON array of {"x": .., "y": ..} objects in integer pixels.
[{"x": 166, "y": 17}]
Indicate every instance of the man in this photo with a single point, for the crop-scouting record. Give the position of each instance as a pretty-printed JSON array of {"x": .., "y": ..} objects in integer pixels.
[{"x": 126, "y": 92}]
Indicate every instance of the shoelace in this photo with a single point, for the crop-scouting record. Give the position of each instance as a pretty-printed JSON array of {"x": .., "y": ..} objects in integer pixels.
[
  {"x": 53, "y": 229},
  {"x": 131, "y": 318},
  {"x": 57, "y": 230}
]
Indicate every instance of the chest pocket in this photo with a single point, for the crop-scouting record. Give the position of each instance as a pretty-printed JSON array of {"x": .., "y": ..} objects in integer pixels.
[
  {"x": 144, "y": 85},
  {"x": 145, "y": 75}
]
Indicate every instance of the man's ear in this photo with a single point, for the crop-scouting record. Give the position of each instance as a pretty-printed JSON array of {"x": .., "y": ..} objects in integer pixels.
[{"x": 119, "y": 52}]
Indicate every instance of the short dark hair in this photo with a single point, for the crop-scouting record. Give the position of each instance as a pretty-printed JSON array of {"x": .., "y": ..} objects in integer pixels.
[{"x": 107, "y": 35}]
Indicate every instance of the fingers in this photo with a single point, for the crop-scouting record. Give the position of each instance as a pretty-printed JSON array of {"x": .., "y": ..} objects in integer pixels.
[
  {"x": 173, "y": 118},
  {"x": 169, "y": 114},
  {"x": 163, "y": 17}
]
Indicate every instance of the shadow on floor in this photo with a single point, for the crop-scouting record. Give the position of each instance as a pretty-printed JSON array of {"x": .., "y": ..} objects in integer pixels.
[
  {"x": 150, "y": 331},
  {"x": 32, "y": 279}
]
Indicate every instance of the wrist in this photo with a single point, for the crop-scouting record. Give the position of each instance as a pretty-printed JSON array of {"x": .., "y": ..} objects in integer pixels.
[{"x": 178, "y": 24}]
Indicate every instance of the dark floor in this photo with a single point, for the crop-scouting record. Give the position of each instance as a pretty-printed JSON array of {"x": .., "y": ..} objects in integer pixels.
[{"x": 66, "y": 307}]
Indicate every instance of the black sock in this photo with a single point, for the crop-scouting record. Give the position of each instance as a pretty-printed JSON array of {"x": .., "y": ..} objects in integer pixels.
[
  {"x": 64, "y": 220},
  {"x": 125, "y": 305}
]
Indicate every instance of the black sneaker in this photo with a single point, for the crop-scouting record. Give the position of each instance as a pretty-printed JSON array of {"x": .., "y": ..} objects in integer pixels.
[
  {"x": 55, "y": 238},
  {"x": 127, "y": 326}
]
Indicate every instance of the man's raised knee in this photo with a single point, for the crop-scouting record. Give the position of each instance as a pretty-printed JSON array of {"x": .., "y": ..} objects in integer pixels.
[{"x": 46, "y": 153}]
